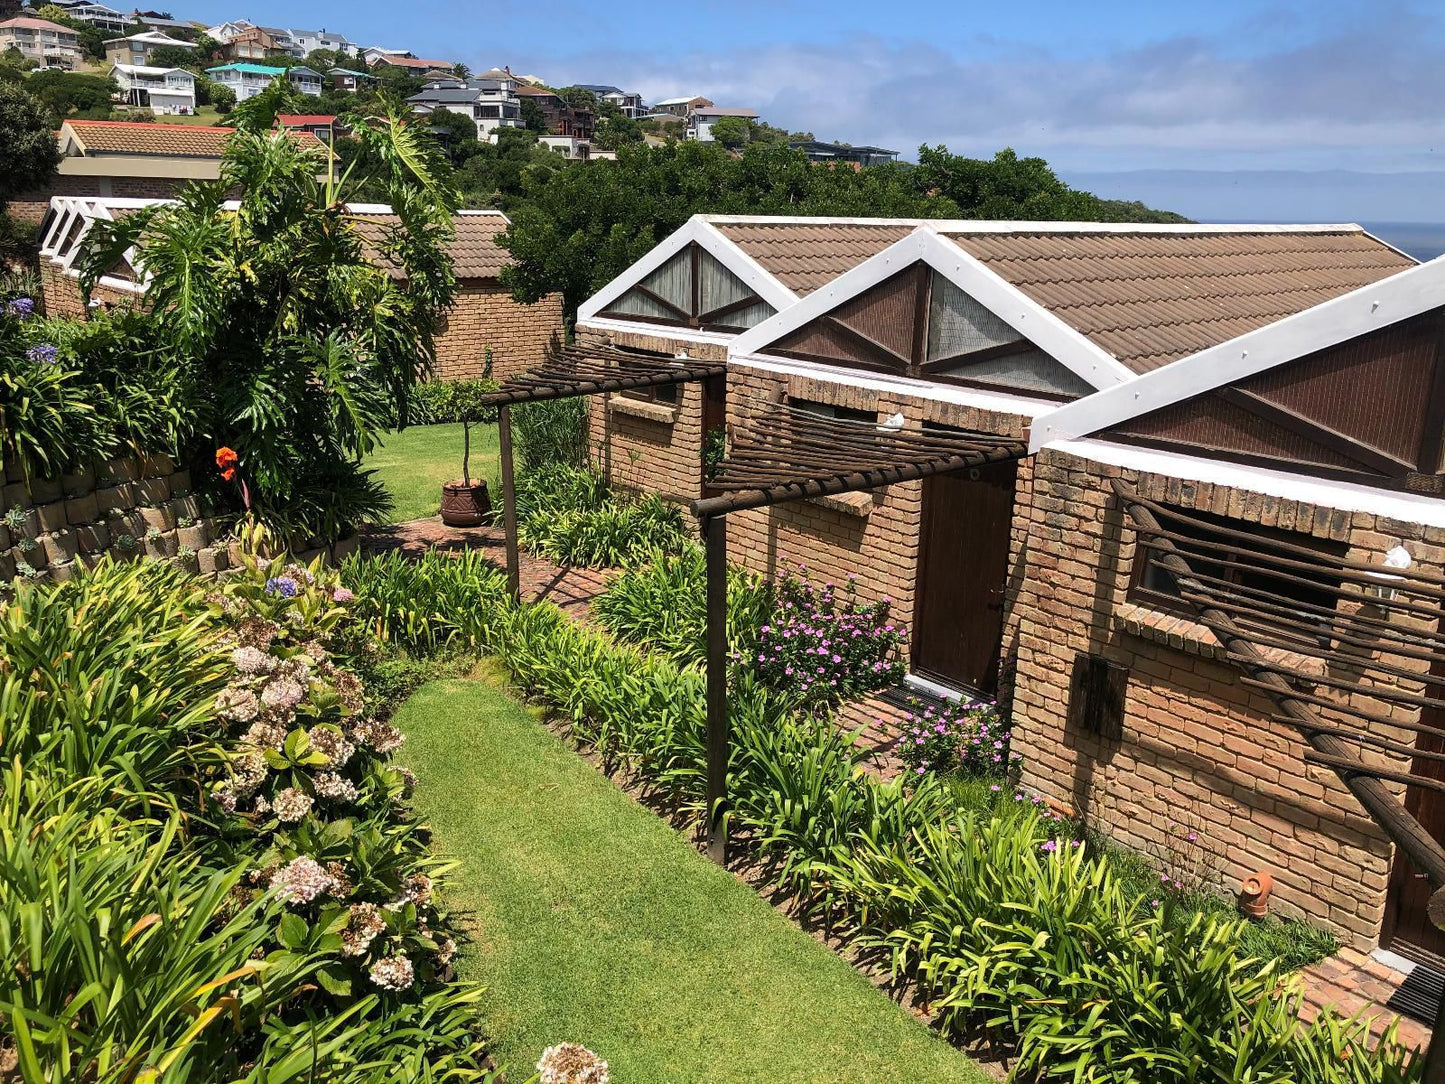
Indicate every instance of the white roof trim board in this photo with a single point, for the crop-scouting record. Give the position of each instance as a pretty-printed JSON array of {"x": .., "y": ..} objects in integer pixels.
[
  {"x": 1064, "y": 344},
  {"x": 699, "y": 229},
  {"x": 1000, "y": 402},
  {"x": 1345, "y": 496},
  {"x": 1408, "y": 293}
]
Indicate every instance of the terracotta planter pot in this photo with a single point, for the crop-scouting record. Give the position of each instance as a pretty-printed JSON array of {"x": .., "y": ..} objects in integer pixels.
[{"x": 465, "y": 505}]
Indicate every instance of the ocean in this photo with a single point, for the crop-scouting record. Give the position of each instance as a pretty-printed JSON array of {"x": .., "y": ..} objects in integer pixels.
[{"x": 1423, "y": 240}]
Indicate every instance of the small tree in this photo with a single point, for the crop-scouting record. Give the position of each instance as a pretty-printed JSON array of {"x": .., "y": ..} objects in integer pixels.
[
  {"x": 731, "y": 132},
  {"x": 27, "y": 143},
  {"x": 464, "y": 402}
]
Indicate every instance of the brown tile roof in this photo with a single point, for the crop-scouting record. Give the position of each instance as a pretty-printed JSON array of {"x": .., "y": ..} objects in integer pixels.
[
  {"x": 165, "y": 140},
  {"x": 806, "y": 255},
  {"x": 474, "y": 250},
  {"x": 1152, "y": 298}
]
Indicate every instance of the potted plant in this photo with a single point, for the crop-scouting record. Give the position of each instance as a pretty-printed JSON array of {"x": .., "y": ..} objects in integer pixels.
[{"x": 466, "y": 503}]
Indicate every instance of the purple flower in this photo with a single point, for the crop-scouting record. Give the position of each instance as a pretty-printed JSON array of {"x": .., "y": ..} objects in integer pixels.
[
  {"x": 1048, "y": 846},
  {"x": 341, "y": 594},
  {"x": 20, "y": 307},
  {"x": 43, "y": 354},
  {"x": 284, "y": 586}
]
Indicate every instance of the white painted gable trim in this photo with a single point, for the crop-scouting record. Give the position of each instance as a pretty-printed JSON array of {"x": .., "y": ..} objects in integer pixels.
[
  {"x": 1345, "y": 496},
  {"x": 698, "y": 229},
  {"x": 1086, "y": 360},
  {"x": 998, "y": 402},
  {"x": 665, "y": 331},
  {"x": 1409, "y": 293}
]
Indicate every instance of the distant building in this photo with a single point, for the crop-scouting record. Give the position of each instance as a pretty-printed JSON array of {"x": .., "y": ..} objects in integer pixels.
[
  {"x": 42, "y": 41},
  {"x": 629, "y": 105},
  {"x": 247, "y": 80},
  {"x": 702, "y": 117},
  {"x": 818, "y": 151},
  {"x": 160, "y": 21},
  {"x": 679, "y": 107},
  {"x": 562, "y": 119},
  {"x": 97, "y": 15},
  {"x": 308, "y": 41},
  {"x": 137, "y": 48},
  {"x": 259, "y": 43},
  {"x": 321, "y": 125},
  {"x": 491, "y": 103},
  {"x": 161, "y": 90},
  {"x": 372, "y": 53},
  {"x": 418, "y": 65},
  {"x": 347, "y": 79}
]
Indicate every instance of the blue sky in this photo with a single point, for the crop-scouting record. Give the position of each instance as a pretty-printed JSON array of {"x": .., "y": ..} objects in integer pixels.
[{"x": 1333, "y": 88}]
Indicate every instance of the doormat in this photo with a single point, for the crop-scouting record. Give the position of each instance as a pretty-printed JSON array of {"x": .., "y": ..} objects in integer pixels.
[
  {"x": 1419, "y": 995},
  {"x": 910, "y": 698}
]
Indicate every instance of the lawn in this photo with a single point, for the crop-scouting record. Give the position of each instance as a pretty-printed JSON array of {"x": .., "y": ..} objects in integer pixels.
[
  {"x": 204, "y": 114},
  {"x": 414, "y": 463},
  {"x": 594, "y": 922}
]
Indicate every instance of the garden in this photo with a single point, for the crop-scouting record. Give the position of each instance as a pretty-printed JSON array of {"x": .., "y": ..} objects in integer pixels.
[{"x": 374, "y": 819}]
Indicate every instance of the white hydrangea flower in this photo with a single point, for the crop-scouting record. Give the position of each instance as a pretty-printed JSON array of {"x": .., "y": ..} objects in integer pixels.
[
  {"x": 301, "y": 880},
  {"x": 393, "y": 973},
  {"x": 291, "y": 805},
  {"x": 571, "y": 1063}
]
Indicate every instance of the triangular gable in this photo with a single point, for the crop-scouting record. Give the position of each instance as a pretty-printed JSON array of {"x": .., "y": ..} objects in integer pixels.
[
  {"x": 695, "y": 280},
  {"x": 924, "y": 309},
  {"x": 1352, "y": 316},
  {"x": 1371, "y": 407}
]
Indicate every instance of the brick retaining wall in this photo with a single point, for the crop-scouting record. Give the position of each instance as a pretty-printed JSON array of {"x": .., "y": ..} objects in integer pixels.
[{"x": 485, "y": 315}]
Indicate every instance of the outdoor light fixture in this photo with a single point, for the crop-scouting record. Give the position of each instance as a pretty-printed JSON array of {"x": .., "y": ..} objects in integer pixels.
[{"x": 1384, "y": 587}]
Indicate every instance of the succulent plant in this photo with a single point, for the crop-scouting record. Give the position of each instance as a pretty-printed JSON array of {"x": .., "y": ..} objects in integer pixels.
[
  {"x": 126, "y": 542},
  {"x": 15, "y": 518},
  {"x": 153, "y": 534},
  {"x": 185, "y": 521},
  {"x": 29, "y": 545}
]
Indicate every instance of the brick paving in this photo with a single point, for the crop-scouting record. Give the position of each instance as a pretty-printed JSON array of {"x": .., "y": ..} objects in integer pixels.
[{"x": 1351, "y": 981}]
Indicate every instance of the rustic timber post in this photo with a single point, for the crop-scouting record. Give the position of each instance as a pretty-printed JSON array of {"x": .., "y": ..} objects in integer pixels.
[
  {"x": 715, "y": 531},
  {"x": 509, "y": 501}
]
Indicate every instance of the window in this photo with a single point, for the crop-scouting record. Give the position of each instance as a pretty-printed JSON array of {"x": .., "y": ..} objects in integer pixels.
[
  {"x": 665, "y": 394},
  {"x": 1253, "y": 575}
]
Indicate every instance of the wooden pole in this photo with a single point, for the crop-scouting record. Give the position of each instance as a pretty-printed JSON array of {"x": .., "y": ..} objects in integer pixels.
[
  {"x": 509, "y": 501},
  {"x": 715, "y": 532}
]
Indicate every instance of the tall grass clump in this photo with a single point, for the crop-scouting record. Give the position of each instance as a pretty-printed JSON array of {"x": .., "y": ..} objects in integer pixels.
[
  {"x": 1009, "y": 926},
  {"x": 208, "y": 868},
  {"x": 570, "y": 516}
]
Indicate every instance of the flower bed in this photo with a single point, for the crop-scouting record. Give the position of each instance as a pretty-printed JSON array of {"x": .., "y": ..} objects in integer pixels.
[{"x": 1039, "y": 947}]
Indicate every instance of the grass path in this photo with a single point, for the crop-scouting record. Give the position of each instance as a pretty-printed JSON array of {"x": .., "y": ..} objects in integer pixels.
[
  {"x": 414, "y": 463},
  {"x": 596, "y": 923}
]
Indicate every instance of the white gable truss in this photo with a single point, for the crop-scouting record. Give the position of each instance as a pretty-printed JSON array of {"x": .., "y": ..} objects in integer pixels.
[
  {"x": 1408, "y": 293},
  {"x": 1091, "y": 363},
  {"x": 697, "y": 229},
  {"x": 74, "y": 218}
]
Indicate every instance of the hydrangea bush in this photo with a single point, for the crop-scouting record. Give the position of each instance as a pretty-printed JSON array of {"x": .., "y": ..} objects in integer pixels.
[
  {"x": 312, "y": 787},
  {"x": 822, "y": 645}
]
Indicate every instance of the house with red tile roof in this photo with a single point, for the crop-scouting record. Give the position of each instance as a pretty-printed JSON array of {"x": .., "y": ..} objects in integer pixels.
[{"x": 42, "y": 41}]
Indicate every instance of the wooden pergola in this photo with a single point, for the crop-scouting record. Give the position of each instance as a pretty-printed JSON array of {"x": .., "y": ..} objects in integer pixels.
[
  {"x": 575, "y": 371},
  {"x": 784, "y": 453},
  {"x": 1359, "y": 674}
]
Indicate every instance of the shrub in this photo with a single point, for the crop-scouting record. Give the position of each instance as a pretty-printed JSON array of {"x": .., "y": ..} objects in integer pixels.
[
  {"x": 569, "y": 516},
  {"x": 207, "y": 868},
  {"x": 966, "y": 737},
  {"x": 825, "y": 648},
  {"x": 551, "y": 433}
]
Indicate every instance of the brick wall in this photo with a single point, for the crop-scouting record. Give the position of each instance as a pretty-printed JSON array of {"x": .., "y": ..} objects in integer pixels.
[
  {"x": 484, "y": 315},
  {"x": 125, "y": 508},
  {"x": 651, "y": 446},
  {"x": 875, "y": 535},
  {"x": 61, "y": 293},
  {"x": 1199, "y": 750},
  {"x": 33, "y": 205}
]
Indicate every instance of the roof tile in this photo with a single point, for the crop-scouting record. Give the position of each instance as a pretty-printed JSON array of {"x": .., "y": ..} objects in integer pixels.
[
  {"x": 806, "y": 255},
  {"x": 1152, "y": 298},
  {"x": 167, "y": 140}
]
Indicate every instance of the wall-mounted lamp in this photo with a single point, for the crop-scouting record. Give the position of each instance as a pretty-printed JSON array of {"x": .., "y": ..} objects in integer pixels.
[{"x": 1384, "y": 587}]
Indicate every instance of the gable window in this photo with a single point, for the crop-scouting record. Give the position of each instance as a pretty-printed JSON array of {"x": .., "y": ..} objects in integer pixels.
[
  {"x": 693, "y": 289},
  {"x": 1251, "y": 576}
]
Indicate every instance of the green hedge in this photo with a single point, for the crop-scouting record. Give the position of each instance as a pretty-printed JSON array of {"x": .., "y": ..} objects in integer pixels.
[
  {"x": 207, "y": 867},
  {"x": 1007, "y": 930}
]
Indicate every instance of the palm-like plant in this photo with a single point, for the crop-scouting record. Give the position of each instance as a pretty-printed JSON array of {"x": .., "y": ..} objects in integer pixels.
[{"x": 305, "y": 322}]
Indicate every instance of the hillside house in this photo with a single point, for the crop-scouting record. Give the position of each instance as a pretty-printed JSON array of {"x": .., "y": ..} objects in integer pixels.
[
  {"x": 492, "y": 104},
  {"x": 627, "y": 103},
  {"x": 680, "y": 107},
  {"x": 562, "y": 119},
  {"x": 701, "y": 118},
  {"x": 104, "y": 18},
  {"x": 48, "y": 44},
  {"x": 845, "y": 153},
  {"x": 161, "y": 90},
  {"x": 137, "y": 48}
]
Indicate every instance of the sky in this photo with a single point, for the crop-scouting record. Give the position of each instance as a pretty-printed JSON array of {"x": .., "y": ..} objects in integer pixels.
[{"x": 1231, "y": 108}]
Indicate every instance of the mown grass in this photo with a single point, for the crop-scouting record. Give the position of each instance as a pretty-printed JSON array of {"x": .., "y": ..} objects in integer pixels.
[
  {"x": 594, "y": 922},
  {"x": 414, "y": 462}
]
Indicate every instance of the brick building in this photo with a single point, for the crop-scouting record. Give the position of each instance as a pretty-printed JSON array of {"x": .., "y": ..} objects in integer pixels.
[
  {"x": 1283, "y": 382},
  {"x": 483, "y": 316}
]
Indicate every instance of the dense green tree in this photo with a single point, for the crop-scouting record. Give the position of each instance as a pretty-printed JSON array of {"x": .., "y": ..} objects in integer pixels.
[
  {"x": 731, "y": 132},
  {"x": 172, "y": 56},
  {"x": 207, "y": 50},
  {"x": 72, "y": 94},
  {"x": 578, "y": 98},
  {"x": 27, "y": 143},
  {"x": 533, "y": 119},
  {"x": 458, "y": 132},
  {"x": 497, "y": 174},
  {"x": 614, "y": 130}
]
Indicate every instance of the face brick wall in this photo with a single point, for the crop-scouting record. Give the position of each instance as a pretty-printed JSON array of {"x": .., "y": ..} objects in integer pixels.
[
  {"x": 656, "y": 447},
  {"x": 873, "y": 536},
  {"x": 31, "y": 206},
  {"x": 485, "y": 315},
  {"x": 1199, "y": 751},
  {"x": 61, "y": 292}
]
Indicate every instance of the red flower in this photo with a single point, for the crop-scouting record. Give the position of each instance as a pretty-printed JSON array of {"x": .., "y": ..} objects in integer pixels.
[
  {"x": 228, "y": 473},
  {"x": 226, "y": 459}
]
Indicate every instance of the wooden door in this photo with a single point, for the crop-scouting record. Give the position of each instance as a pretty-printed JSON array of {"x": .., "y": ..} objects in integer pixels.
[
  {"x": 962, "y": 572},
  {"x": 1408, "y": 929}
]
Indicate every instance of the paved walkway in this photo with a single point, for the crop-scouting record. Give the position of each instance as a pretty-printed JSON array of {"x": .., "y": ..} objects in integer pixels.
[{"x": 1350, "y": 981}]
